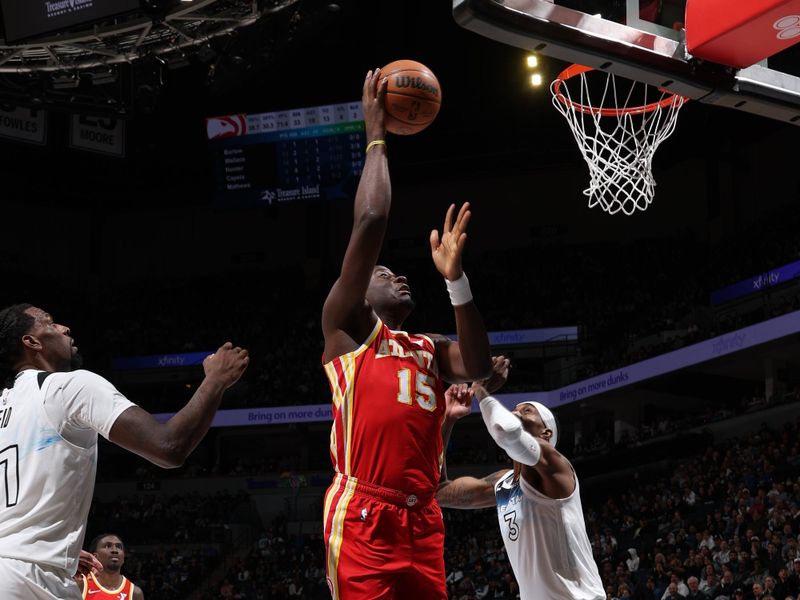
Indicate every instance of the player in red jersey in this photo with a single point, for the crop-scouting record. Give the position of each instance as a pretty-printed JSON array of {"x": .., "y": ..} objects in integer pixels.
[
  {"x": 384, "y": 533},
  {"x": 109, "y": 583}
]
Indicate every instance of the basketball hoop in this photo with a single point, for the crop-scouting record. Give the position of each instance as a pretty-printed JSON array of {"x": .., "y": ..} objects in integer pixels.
[{"x": 617, "y": 139}]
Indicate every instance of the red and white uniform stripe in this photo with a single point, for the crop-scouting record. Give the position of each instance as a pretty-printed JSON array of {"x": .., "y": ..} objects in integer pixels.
[{"x": 388, "y": 406}]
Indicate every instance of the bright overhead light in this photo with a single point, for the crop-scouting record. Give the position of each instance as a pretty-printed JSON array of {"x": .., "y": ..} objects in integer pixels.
[
  {"x": 536, "y": 79},
  {"x": 533, "y": 62}
]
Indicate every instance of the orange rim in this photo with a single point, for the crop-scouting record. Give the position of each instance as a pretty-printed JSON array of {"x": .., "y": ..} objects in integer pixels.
[{"x": 574, "y": 70}]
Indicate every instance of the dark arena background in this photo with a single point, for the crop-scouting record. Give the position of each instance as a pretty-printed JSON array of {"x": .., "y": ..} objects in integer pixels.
[{"x": 667, "y": 342}]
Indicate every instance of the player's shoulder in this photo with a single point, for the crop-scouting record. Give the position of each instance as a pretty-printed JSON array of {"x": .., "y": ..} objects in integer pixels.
[
  {"x": 79, "y": 379},
  {"x": 436, "y": 338},
  {"x": 78, "y": 376}
]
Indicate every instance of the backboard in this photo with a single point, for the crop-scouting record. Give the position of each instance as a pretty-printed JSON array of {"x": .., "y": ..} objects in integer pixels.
[{"x": 641, "y": 40}]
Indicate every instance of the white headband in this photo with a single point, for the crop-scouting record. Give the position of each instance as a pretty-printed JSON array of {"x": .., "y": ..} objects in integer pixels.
[{"x": 547, "y": 418}]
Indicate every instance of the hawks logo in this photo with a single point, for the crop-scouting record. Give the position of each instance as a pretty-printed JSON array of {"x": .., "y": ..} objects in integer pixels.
[{"x": 226, "y": 127}]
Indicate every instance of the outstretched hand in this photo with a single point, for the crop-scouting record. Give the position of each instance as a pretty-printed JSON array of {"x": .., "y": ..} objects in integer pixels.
[
  {"x": 227, "y": 364},
  {"x": 447, "y": 250},
  {"x": 458, "y": 401},
  {"x": 498, "y": 378}
]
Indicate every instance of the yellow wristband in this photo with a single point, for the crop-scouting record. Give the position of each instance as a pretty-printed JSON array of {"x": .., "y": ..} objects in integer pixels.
[{"x": 374, "y": 143}]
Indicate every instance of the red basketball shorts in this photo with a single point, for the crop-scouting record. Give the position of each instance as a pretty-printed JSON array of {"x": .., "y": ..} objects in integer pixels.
[{"x": 382, "y": 544}]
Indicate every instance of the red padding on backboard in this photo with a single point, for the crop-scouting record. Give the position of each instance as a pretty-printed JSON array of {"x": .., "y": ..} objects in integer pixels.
[{"x": 740, "y": 33}]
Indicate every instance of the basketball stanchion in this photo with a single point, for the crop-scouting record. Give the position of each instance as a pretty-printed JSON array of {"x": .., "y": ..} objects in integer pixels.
[{"x": 618, "y": 132}]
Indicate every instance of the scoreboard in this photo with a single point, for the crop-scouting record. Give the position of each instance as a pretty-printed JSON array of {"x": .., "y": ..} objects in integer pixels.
[{"x": 314, "y": 153}]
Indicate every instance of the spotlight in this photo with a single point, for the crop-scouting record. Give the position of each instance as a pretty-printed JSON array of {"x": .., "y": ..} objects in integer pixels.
[
  {"x": 536, "y": 80},
  {"x": 532, "y": 61}
]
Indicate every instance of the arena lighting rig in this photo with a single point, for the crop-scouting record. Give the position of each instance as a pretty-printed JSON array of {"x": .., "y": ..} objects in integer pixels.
[
  {"x": 117, "y": 64},
  {"x": 182, "y": 28}
]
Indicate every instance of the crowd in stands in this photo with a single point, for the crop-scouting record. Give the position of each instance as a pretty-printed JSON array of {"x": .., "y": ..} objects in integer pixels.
[
  {"x": 663, "y": 423},
  {"x": 277, "y": 566},
  {"x": 175, "y": 541}
]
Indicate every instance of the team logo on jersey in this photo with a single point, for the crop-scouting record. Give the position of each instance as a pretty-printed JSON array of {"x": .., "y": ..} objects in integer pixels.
[
  {"x": 226, "y": 127},
  {"x": 390, "y": 347},
  {"x": 364, "y": 514},
  {"x": 123, "y": 596}
]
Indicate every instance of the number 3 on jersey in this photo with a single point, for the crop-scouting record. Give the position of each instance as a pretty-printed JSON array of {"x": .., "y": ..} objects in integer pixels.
[
  {"x": 423, "y": 389},
  {"x": 513, "y": 529}
]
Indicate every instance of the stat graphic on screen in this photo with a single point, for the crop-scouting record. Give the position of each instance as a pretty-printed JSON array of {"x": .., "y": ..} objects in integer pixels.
[{"x": 313, "y": 153}]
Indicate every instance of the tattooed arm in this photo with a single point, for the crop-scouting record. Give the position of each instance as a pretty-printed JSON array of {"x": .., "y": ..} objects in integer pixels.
[{"x": 468, "y": 492}]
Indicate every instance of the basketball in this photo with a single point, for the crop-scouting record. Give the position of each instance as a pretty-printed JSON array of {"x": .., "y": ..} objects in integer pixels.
[{"x": 413, "y": 97}]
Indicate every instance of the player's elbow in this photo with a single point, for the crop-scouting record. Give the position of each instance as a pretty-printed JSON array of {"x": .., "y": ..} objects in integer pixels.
[
  {"x": 507, "y": 432},
  {"x": 372, "y": 216},
  {"x": 170, "y": 455},
  {"x": 479, "y": 370}
]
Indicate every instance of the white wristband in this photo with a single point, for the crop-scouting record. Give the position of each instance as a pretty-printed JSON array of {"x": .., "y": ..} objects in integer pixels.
[{"x": 459, "y": 290}]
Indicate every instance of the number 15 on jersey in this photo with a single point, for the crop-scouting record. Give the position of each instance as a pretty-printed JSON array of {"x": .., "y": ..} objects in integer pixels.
[{"x": 414, "y": 385}]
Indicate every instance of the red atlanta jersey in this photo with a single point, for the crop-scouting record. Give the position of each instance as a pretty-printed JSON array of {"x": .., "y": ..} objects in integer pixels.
[
  {"x": 388, "y": 406},
  {"x": 94, "y": 591}
]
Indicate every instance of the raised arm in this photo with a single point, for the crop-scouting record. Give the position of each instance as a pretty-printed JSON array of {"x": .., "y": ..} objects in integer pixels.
[
  {"x": 469, "y": 358},
  {"x": 542, "y": 466},
  {"x": 346, "y": 318},
  {"x": 167, "y": 445},
  {"x": 468, "y": 492}
]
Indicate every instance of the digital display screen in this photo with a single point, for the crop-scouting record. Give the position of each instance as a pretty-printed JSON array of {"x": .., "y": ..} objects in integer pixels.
[
  {"x": 31, "y": 18},
  {"x": 314, "y": 153}
]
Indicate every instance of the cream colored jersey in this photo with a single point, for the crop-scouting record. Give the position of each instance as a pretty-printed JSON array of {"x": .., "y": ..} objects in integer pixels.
[
  {"x": 546, "y": 543},
  {"x": 48, "y": 459}
]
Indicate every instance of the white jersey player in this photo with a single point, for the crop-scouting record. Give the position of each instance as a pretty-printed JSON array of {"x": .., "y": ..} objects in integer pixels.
[
  {"x": 50, "y": 416},
  {"x": 538, "y": 502}
]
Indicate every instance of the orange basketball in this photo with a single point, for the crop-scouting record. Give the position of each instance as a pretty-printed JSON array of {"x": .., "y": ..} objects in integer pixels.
[{"x": 413, "y": 96}]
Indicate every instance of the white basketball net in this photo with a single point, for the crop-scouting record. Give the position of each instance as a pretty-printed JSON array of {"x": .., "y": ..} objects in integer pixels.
[{"x": 618, "y": 142}]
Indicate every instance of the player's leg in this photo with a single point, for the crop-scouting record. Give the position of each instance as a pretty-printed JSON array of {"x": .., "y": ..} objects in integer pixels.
[
  {"x": 425, "y": 579},
  {"x": 365, "y": 549},
  {"x": 20, "y": 580}
]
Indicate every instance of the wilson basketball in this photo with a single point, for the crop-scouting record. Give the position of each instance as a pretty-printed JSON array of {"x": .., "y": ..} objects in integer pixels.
[{"x": 413, "y": 97}]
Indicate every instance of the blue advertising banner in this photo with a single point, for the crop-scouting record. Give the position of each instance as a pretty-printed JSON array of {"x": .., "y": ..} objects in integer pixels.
[
  {"x": 160, "y": 361},
  {"x": 757, "y": 283}
]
